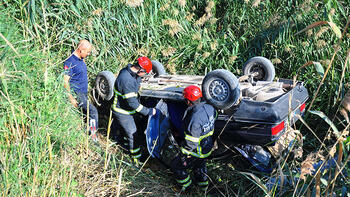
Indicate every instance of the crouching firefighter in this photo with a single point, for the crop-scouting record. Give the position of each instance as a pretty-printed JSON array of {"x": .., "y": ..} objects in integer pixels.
[
  {"x": 126, "y": 103},
  {"x": 198, "y": 124}
]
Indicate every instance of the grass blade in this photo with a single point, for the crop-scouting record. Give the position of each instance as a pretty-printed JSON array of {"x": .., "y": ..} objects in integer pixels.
[
  {"x": 9, "y": 44},
  {"x": 325, "y": 118},
  {"x": 333, "y": 26},
  {"x": 256, "y": 180}
]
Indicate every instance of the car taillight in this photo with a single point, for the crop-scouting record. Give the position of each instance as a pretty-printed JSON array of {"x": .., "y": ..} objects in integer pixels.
[
  {"x": 302, "y": 107},
  {"x": 276, "y": 129}
]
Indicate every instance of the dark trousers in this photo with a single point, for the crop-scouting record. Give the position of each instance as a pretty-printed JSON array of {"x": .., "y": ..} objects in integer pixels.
[
  {"x": 93, "y": 113},
  {"x": 182, "y": 163},
  {"x": 124, "y": 125}
]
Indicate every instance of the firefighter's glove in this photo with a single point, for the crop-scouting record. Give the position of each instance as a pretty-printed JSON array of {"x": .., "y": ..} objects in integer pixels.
[{"x": 152, "y": 112}]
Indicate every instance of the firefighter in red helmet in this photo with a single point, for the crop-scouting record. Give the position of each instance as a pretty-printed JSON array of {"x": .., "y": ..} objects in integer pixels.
[
  {"x": 126, "y": 104},
  {"x": 198, "y": 125}
]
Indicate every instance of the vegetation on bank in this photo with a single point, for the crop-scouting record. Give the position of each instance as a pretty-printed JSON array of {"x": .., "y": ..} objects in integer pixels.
[{"x": 43, "y": 146}]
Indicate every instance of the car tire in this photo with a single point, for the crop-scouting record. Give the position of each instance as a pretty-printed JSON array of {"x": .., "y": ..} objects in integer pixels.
[
  {"x": 158, "y": 68},
  {"x": 261, "y": 65},
  {"x": 221, "y": 89},
  {"x": 104, "y": 85}
]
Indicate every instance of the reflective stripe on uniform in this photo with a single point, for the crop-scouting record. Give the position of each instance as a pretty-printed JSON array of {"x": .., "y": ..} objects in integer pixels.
[
  {"x": 135, "y": 153},
  {"x": 125, "y": 96},
  {"x": 199, "y": 148},
  {"x": 198, "y": 139},
  {"x": 187, "y": 152},
  {"x": 136, "y": 156},
  {"x": 135, "y": 150},
  {"x": 183, "y": 180},
  {"x": 187, "y": 184},
  {"x": 139, "y": 108},
  {"x": 129, "y": 95},
  {"x": 203, "y": 189},
  {"x": 205, "y": 183},
  {"x": 191, "y": 138},
  {"x": 122, "y": 111}
]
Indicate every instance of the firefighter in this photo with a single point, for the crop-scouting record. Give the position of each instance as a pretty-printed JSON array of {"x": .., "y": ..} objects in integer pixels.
[
  {"x": 76, "y": 82},
  {"x": 126, "y": 103},
  {"x": 198, "y": 124}
]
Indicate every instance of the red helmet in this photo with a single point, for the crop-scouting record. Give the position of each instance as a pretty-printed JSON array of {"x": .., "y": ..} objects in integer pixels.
[
  {"x": 145, "y": 63},
  {"x": 192, "y": 92}
]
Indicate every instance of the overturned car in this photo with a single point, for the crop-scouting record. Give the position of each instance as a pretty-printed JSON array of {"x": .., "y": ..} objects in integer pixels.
[{"x": 254, "y": 109}]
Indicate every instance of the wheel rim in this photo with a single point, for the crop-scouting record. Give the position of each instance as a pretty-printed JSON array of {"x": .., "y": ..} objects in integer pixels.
[
  {"x": 219, "y": 90},
  {"x": 260, "y": 70},
  {"x": 103, "y": 86}
]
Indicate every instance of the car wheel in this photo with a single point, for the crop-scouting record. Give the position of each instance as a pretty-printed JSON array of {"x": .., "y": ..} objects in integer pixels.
[
  {"x": 158, "y": 68},
  {"x": 105, "y": 85},
  {"x": 262, "y": 65},
  {"x": 221, "y": 89}
]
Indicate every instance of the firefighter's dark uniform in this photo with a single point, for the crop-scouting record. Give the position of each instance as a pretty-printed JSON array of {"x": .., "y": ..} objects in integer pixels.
[
  {"x": 198, "y": 124},
  {"x": 126, "y": 104}
]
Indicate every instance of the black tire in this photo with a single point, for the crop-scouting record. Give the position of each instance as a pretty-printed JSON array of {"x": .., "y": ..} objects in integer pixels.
[
  {"x": 158, "y": 68},
  {"x": 105, "y": 84},
  {"x": 261, "y": 65},
  {"x": 221, "y": 89}
]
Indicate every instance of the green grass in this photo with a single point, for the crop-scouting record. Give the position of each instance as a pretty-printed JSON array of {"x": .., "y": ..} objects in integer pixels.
[{"x": 43, "y": 148}]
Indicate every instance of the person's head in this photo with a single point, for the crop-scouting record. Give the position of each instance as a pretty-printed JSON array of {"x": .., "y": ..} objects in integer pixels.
[
  {"x": 84, "y": 49},
  {"x": 192, "y": 95},
  {"x": 142, "y": 66}
]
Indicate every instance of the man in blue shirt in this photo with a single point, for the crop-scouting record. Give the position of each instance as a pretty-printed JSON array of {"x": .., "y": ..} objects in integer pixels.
[{"x": 76, "y": 82}]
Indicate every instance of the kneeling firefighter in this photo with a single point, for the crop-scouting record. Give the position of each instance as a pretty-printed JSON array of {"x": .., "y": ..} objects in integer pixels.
[
  {"x": 126, "y": 102},
  {"x": 198, "y": 124}
]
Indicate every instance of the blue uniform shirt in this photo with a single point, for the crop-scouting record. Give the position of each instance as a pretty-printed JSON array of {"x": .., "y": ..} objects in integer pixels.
[
  {"x": 198, "y": 124},
  {"x": 76, "y": 69}
]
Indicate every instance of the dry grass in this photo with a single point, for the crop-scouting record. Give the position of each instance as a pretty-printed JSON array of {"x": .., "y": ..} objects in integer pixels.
[
  {"x": 168, "y": 51},
  {"x": 134, "y": 3},
  {"x": 174, "y": 26}
]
